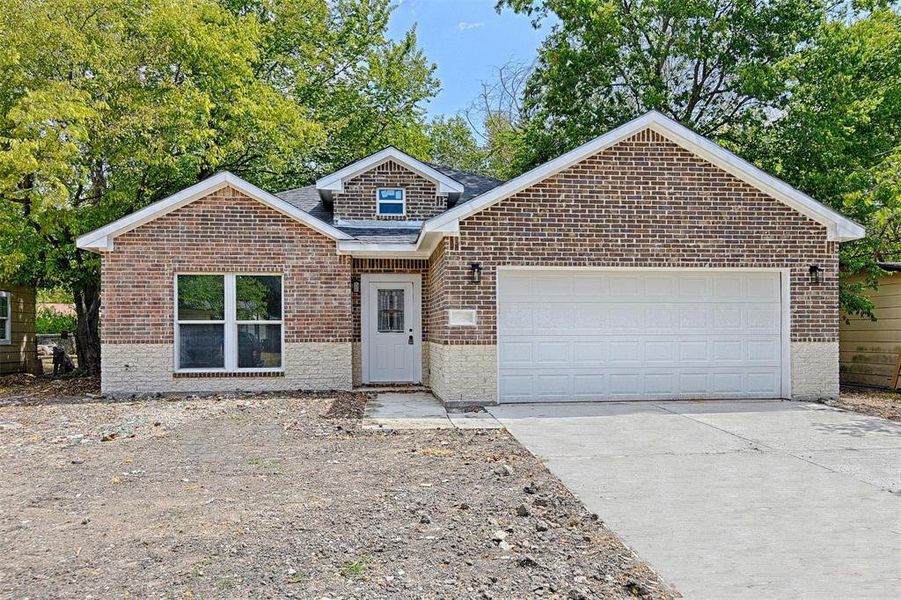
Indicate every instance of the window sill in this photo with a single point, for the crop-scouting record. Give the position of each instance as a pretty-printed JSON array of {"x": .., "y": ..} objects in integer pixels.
[
  {"x": 225, "y": 374},
  {"x": 6, "y": 342}
]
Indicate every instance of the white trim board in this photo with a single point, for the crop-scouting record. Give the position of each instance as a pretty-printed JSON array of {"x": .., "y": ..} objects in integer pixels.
[
  {"x": 839, "y": 228},
  {"x": 335, "y": 181},
  {"x": 102, "y": 239}
]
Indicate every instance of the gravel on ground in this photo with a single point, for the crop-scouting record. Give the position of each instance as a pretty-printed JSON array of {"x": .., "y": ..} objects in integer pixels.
[
  {"x": 878, "y": 403},
  {"x": 270, "y": 496}
]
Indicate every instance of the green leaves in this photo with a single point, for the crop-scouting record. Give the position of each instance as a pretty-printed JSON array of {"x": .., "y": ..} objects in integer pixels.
[{"x": 108, "y": 106}]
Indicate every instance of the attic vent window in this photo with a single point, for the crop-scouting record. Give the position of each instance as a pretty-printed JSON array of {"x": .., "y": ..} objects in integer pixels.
[{"x": 390, "y": 201}]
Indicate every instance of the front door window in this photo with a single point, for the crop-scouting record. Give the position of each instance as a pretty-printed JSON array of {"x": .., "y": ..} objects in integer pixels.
[{"x": 391, "y": 311}]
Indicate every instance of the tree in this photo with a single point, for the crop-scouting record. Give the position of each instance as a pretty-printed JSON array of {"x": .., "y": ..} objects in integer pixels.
[
  {"x": 484, "y": 138},
  {"x": 709, "y": 64},
  {"x": 453, "y": 144},
  {"x": 839, "y": 136},
  {"x": 106, "y": 107},
  {"x": 335, "y": 59}
]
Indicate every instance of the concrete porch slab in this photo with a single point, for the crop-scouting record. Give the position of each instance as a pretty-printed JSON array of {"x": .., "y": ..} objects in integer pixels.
[{"x": 420, "y": 410}]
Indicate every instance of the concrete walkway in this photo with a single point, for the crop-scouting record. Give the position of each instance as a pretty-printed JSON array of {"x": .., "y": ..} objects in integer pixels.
[
  {"x": 756, "y": 499},
  {"x": 420, "y": 410}
]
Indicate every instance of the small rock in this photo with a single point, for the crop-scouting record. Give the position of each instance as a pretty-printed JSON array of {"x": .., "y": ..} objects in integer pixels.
[
  {"x": 576, "y": 595},
  {"x": 157, "y": 423},
  {"x": 532, "y": 488},
  {"x": 527, "y": 562},
  {"x": 541, "y": 526},
  {"x": 77, "y": 461},
  {"x": 499, "y": 536},
  {"x": 522, "y": 511},
  {"x": 540, "y": 502},
  {"x": 463, "y": 506},
  {"x": 109, "y": 436},
  {"x": 505, "y": 470},
  {"x": 425, "y": 520},
  {"x": 505, "y": 545}
]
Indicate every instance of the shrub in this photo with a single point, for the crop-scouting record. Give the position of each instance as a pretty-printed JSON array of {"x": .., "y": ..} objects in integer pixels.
[{"x": 50, "y": 321}]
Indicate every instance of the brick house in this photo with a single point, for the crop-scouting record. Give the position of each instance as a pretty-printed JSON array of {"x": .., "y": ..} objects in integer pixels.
[{"x": 649, "y": 263}]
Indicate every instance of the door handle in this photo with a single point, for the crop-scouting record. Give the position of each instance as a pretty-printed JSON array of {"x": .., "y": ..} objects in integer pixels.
[{"x": 410, "y": 340}]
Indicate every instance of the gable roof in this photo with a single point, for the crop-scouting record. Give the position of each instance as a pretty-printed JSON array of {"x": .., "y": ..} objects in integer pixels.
[
  {"x": 102, "y": 239},
  {"x": 335, "y": 181},
  {"x": 839, "y": 228}
]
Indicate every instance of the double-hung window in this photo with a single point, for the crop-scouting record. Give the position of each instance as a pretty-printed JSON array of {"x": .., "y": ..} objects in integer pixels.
[
  {"x": 5, "y": 317},
  {"x": 228, "y": 322},
  {"x": 390, "y": 201}
]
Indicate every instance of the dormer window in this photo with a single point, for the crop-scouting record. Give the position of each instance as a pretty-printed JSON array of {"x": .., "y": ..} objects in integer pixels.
[{"x": 390, "y": 201}]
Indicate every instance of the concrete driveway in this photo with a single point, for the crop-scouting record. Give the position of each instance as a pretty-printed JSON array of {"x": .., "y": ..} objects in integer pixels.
[{"x": 751, "y": 499}]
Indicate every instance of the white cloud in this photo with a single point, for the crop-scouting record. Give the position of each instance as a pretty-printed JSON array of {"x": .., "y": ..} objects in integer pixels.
[{"x": 464, "y": 25}]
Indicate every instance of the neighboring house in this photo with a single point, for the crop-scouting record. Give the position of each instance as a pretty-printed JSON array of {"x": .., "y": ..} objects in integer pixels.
[
  {"x": 870, "y": 349},
  {"x": 18, "y": 352},
  {"x": 649, "y": 263}
]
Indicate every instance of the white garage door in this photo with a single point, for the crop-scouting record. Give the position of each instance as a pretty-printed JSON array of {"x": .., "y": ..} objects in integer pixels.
[{"x": 614, "y": 335}]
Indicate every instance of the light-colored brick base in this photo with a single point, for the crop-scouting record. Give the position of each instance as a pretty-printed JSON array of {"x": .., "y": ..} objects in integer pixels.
[
  {"x": 462, "y": 374},
  {"x": 814, "y": 370},
  {"x": 357, "y": 363},
  {"x": 147, "y": 368}
]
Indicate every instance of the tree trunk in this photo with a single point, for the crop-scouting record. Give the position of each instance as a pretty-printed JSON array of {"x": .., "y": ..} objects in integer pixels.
[{"x": 87, "y": 336}]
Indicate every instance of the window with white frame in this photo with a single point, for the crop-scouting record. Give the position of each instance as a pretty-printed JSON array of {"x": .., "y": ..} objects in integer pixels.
[
  {"x": 229, "y": 322},
  {"x": 390, "y": 201},
  {"x": 5, "y": 317}
]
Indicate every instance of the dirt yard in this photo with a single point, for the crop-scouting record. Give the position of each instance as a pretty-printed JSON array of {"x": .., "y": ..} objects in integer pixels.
[
  {"x": 878, "y": 403},
  {"x": 270, "y": 497}
]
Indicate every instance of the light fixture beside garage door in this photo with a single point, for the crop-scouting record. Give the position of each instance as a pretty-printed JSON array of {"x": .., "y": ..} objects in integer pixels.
[
  {"x": 815, "y": 271},
  {"x": 475, "y": 272}
]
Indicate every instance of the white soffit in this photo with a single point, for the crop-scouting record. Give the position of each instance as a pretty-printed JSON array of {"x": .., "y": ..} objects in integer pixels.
[
  {"x": 839, "y": 228},
  {"x": 335, "y": 181},
  {"x": 102, "y": 239}
]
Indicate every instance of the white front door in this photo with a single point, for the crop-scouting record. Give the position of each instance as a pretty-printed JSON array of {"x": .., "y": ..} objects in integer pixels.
[{"x": 391, "y": 330}]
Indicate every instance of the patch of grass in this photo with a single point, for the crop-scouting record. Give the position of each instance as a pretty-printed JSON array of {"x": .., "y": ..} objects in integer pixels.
[
  {"x": 227, "y": 584},
  {"x": 356, "y": 569},
  {"x": 296, "y": 578},
  {"x": 268, "y": 465}
]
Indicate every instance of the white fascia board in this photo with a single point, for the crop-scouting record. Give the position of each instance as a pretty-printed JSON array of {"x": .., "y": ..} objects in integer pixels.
[
  {"x": 102, "y": 238},
  {"x": 335, "y": 181},
  {"x": 839, "y": 228}
]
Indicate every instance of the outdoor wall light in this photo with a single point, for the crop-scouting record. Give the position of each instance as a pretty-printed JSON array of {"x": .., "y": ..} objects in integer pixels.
[
  {"x": 475, "y": 272},
  {"x": 815, "y": 273},
  {"x": 355, "y": 286}
]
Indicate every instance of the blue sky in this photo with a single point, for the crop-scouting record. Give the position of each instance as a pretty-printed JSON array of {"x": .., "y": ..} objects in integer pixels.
[{"x": 467, "y": 39}]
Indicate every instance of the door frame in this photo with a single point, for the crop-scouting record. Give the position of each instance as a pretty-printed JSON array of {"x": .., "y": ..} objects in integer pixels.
[
  {"x": 785, "y": 297},
  {"x": 366, "y": 281}
]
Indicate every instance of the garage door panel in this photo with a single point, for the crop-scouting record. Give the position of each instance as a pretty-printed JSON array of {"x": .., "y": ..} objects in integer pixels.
[{"x": 619, "y": 336}]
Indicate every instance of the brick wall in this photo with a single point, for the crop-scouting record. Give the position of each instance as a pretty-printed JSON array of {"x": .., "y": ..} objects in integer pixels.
[
  {"x": 357, "y": 202},
  {"x": 644, "y": 202},
  {"x": 225, "y": 232}
]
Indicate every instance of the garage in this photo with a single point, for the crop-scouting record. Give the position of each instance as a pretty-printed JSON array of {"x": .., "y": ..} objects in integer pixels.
[{"x": 588, "y": 335}]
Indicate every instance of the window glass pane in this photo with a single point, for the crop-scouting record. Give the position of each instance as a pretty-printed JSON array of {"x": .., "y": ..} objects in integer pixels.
[
  {"x": 259, "y": 346},
  {"x": 3, "y": 329},
  {"x": 390, "y": 208},
  {"x": 391, "y": 194},
  {"x": 4, "y": 306},
  {"x": 259, "y": 297},
  {"x": 201, "y": 346},
  {"x": 201, "y": 297},
  {"x": 391, "y": 311}
]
